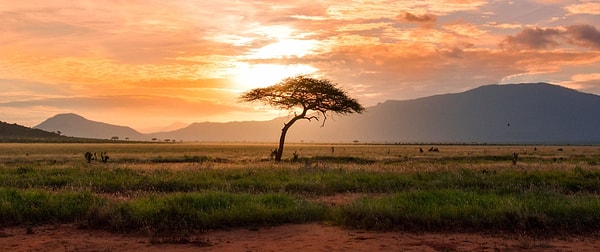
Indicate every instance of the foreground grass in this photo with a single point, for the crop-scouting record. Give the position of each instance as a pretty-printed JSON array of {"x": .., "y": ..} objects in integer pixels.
[
  {"x": 179, "y": 191},
  {"x": 159, "y": 213},
  {"x": 534, "y": 213}
]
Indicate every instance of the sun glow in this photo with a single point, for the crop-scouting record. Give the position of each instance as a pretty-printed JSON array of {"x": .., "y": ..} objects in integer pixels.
[
  {"x": 266, "y": 65},
  {"x": 249, "y": 76},
  {"x": 284, "y": 48}
]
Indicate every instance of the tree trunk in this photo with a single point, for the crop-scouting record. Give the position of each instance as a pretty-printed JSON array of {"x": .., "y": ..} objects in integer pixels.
[
  {"x": 281, "y": 142},
  {"x": 284, "y": 130}
]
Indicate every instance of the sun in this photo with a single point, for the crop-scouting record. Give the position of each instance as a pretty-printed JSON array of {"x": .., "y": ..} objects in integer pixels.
[
  {"x": 285, "y": 45},
  {"x": 249, "y": 76},
  {"x": 283, "y": 48}
]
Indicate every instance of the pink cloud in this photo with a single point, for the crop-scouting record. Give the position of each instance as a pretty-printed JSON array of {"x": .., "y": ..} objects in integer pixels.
[
  {"x": 533, "y": 38},
  {"x": 545, "y": 38}
]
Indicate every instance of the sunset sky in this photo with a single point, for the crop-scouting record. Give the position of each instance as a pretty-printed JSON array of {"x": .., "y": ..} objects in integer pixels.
[{"x": 147, "y": 64}]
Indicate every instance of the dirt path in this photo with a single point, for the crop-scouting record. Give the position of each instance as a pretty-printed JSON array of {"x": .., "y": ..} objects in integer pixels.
[{"x": 304, "y": 237}]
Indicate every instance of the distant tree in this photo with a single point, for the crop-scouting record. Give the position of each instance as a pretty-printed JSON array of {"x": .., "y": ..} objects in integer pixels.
[
  {"x": 307, "y": 94},
  {"x": 114, "y": 138}
]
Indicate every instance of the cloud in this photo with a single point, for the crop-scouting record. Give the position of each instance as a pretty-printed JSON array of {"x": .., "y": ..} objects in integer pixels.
[
  {"x": 180, "y": 58},
  {"x": 140, "y": 111},
  {"x": 18, "y": 89},
  {"x": 592, "y": 8},
  {"x": 391, "y": 71},
  {"x": 426, "y": 20},
  {"x": 533, "y": 38},
  {"x": 586, "y": 77},
  {"x": 588, "y": 82},
  {"x": 584, "y": 35}
]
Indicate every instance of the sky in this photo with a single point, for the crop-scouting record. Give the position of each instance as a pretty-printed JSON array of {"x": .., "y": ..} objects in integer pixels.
[{"x": 148, "y": 64}]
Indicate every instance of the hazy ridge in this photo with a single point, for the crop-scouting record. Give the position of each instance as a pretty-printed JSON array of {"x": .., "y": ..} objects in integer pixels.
[
  {"x": 78, "y": 126},
  {"x": 515, "y": 113}
]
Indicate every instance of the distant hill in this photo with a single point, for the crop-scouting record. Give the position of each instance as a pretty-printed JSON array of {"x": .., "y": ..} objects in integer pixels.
[
  {"x": 538, "y": 113},
  {"x": 18, "y": 133},
  {"x": 250, "y": 131},
  {"x": 78, "y": 126},
  {"x": 172, "y": 127},
  {"x": 517, "y": 113}
]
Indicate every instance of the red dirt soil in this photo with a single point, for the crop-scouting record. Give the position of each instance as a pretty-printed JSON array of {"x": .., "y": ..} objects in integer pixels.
[{"x": 301, "y": 237}]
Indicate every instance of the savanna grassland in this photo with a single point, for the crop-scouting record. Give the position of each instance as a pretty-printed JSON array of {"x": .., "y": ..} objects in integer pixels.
[{"x": 169, "y": 190}]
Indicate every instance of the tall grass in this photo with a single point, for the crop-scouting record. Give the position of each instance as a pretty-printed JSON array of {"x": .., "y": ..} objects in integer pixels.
[
  {"x": 201, "y": 211},
  {"x": 536, "y": 213},
  {"x": 159, "y": 213},
  {"x": 18, "y": 207}
]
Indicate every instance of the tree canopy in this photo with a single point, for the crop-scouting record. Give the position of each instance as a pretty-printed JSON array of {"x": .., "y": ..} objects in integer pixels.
[{"x": 305, "y": 93}]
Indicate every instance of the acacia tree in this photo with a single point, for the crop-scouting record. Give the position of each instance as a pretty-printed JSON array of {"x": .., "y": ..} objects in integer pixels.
[{"x": 306, "y": 94}]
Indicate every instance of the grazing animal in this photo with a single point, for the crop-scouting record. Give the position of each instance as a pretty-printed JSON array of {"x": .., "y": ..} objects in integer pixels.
[
  {"x": 515, "y": 158},
  {"x": 104, "y": 157},
  {"x": 273, "y": 153},
  {"x": 88, "y": 156}
]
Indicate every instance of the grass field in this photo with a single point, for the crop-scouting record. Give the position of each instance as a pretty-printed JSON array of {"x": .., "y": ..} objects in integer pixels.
[{"x": 180, "y": 187}]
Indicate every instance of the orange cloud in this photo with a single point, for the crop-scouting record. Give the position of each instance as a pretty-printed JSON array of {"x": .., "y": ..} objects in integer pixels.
[
  {"x": 189, "y": 59},
  {"x": 426, "y": 20},
  {"x": 587, "y": 82},
  {"x": 592, "y": 8}
]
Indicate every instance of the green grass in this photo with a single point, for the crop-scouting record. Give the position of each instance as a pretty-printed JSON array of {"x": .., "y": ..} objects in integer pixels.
[
  {"x": 159, "y": 213},
  {"x": 300, "y": 181},
  {"x": 28, "y": 207},
  {"x": 535, "y": 213},
  {"x": 171, "y": 188},
  {"x": 201, "y": 211}
]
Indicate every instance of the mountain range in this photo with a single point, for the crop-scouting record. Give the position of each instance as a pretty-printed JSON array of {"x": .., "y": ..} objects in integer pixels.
[{"x": 531, "y": 113}]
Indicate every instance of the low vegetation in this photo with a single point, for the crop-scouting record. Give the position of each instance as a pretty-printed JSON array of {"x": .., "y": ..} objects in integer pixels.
[{"x": 183, "y": 188}]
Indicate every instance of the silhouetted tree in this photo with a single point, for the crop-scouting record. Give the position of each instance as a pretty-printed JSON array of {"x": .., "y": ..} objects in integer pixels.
[{"x": 307, "y": 94}]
